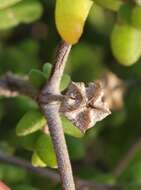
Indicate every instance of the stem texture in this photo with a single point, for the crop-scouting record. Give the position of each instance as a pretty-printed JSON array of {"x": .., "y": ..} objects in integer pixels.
[{"x": 51, "y": 112}]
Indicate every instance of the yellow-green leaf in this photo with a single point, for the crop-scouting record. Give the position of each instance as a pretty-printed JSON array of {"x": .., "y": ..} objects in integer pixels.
[
  {"x": 65, "y": 81},
  {"x": 28, "y": 10},
  {"x": 32, "y": 121},
  {"x": 47, "y": 69},
  {"x": 70, "y": 18},
  {"x": 110, "y": 4},
  {"x": 70, "y": 129},
  {"x": 7, "y": 3},
  {"x": 28, "y": 142},
  {"x": 76, "y": 148},
  {"x": 8, "y": 19},
  {"x": 45, "y": 150},
  {"x": 36, "y": 161},
  {"x": 37, "y": 78},
  {"x": 125, "y": 43}
]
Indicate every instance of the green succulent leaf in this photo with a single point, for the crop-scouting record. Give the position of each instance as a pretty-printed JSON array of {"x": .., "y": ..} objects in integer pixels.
[
  {"x": 21, "y": 12},
  {"x": 44, "y": 148},
  {"x": 65, "y": 82},
  {"x": 76, "y": 148},
  {"x": 47, "y": 69},
  {"x": 36, "y": 161},
  {"x": 113, "y": 5},
  {"x": 70, "y": 18},
  {"x": 28, "y": 142},
  {"x": 37, "y": 78},
  {"x": 8, "y": 19},
  {"x": 7, "y": 3},
  {"x": 70, "y": 129},
  {"x": 12, "y": 174},
  {"x": 125, "y": 43},
  {"x": 65, "y": 79},
  {"x": 28, "y": 11},
  {"x": 32, "y": 121}
]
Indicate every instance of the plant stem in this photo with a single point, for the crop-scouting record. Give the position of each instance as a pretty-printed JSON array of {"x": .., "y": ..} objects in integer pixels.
[
  {"x": 42, "y": 172},
  {"x": 51, "y": 112},
  {"x": 47, "y": 173},
  {"x": 12, "y": 85}
]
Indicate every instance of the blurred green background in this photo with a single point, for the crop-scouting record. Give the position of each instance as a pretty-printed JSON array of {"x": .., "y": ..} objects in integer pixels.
[{"x": 95, "y": 156}]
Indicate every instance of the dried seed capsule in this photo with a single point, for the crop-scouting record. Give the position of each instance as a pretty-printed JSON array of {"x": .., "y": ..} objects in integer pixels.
[{"x": 70, "y": 18}]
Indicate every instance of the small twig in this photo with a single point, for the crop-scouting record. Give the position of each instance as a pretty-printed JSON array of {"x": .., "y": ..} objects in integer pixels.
[
  {"x": 12, "y": 85},
  {"x": 90, "y": 185},
  {"x": 127, "y": 158},
  {"x": 51, "y": 112},
  {"x": 47, "y": 173},
  {"x": 26, "y": 165}
]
